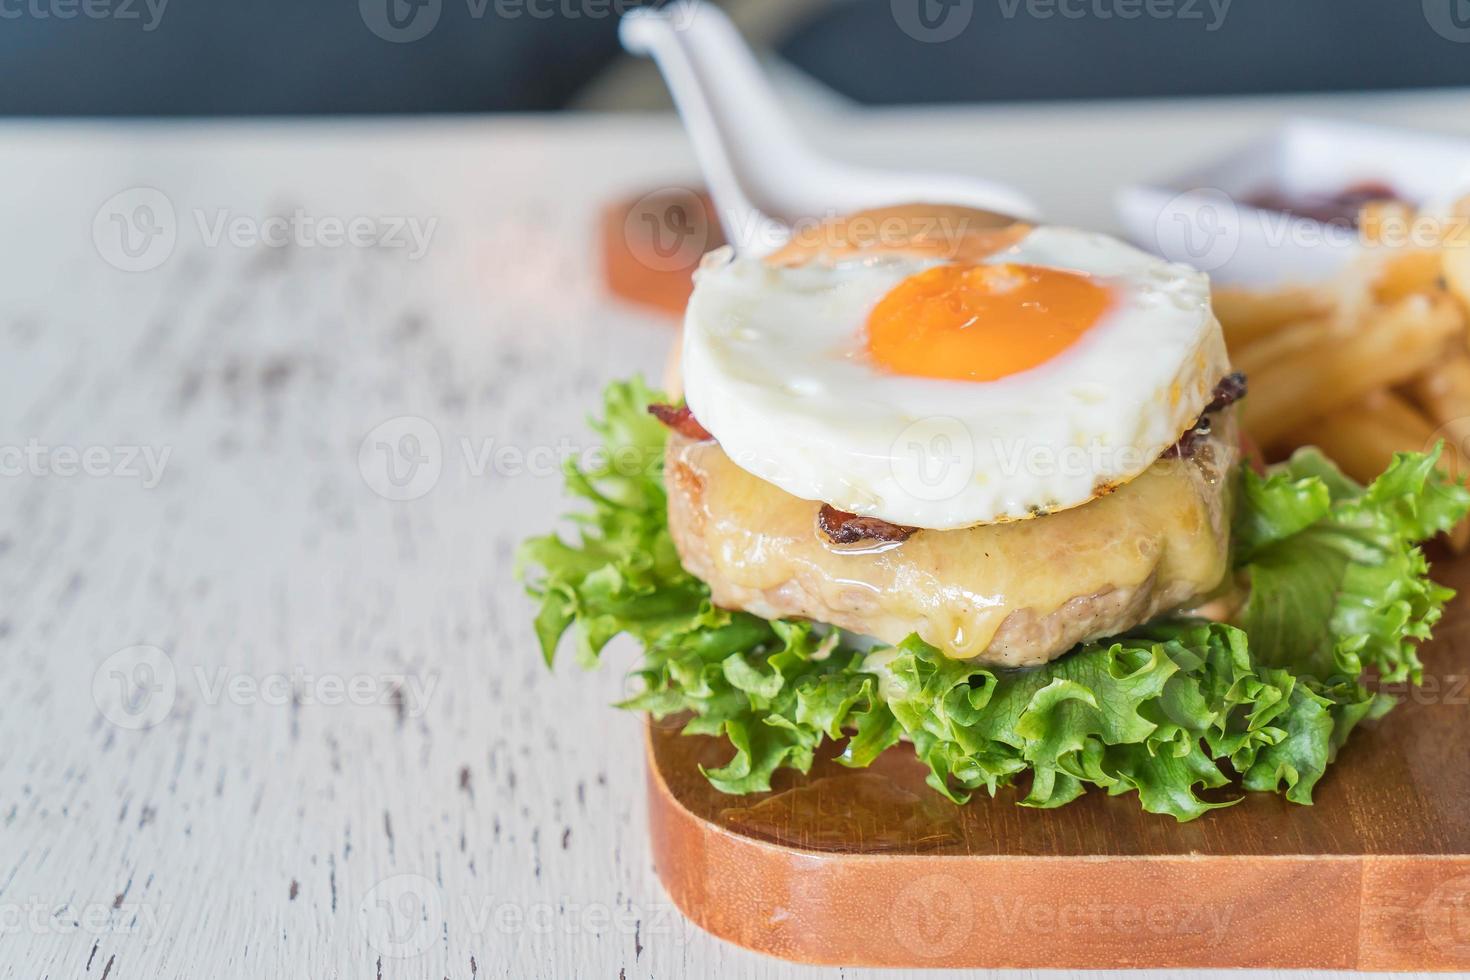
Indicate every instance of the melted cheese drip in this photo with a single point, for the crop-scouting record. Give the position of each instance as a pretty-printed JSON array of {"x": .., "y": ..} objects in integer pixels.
[{"x": 955, "y": 588}]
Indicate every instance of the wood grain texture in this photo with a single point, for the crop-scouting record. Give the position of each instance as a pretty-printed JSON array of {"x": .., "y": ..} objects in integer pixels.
[
  {"x": 466, "y": 813},
  {"x": 1374, "y": 876}
]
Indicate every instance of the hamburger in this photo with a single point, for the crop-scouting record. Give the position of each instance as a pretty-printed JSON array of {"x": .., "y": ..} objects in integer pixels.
[{"x": 928, "y": 477}]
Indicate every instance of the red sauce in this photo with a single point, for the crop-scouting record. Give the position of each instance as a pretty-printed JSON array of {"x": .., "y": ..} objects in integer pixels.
[{"x": 1338, "y": 209}]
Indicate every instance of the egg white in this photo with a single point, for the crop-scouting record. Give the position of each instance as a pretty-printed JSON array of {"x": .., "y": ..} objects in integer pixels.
[{"x": 774, "y": 367}]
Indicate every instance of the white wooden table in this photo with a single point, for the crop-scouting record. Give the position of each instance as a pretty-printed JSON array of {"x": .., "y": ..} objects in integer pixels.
[{"x": 342, "y": 756}]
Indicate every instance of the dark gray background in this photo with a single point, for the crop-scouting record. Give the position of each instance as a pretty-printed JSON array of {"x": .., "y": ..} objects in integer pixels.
[{"x": 206, "y": 57}]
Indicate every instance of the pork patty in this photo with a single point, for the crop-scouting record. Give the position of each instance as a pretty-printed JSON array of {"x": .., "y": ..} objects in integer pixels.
[{"x": 1015, "y": 595}]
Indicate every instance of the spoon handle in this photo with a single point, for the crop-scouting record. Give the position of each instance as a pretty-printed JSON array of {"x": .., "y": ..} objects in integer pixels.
[{"x": 738, "y": 129}]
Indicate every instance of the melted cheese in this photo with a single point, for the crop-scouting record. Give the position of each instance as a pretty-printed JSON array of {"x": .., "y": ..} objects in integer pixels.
[{"x": 1162, "y": 535}]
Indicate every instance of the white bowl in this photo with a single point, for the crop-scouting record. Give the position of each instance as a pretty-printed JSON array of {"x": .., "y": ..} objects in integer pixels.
[{"x": 1200, "y": 217}]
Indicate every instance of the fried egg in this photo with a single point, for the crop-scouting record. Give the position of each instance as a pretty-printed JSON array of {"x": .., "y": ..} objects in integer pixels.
[{"x": 941, "y": 392}]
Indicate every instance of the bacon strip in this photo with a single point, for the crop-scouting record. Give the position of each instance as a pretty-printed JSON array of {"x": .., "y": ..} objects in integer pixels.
[
  {"x": 681, "y": 420},
  {"x": 1230, "y": 390},
  {"x": 844, "y": 528}
]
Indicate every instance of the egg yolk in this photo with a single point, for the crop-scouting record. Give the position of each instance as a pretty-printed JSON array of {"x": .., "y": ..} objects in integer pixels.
[{"x": 982, "y": 322}]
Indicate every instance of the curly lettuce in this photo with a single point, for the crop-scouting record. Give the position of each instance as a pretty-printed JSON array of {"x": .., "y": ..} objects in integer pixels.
[{"x": 1339, "y": 591}]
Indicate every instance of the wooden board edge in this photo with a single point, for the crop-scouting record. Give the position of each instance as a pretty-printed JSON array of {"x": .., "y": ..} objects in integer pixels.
[
  {"x": 1415, "y": 913},
  {"x": 1063, "y": 912}
]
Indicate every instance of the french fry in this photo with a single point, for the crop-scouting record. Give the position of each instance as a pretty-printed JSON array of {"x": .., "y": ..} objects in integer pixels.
[
  {"x": 1246, "y": 315},
  {"x": 1443, "y": 391},
  {"x": 1289, "y": 339},
  {"x": 1376, "y": 363},
  {"x": 1377, "y": 220},
  {"x": 1398, "y": 413},
  {"x": 1344, "y": 366},
  {"x": 1363, "y": 437},
  {"x": 1455, "y": 265},
  {"x": 1407, "y": 272}
]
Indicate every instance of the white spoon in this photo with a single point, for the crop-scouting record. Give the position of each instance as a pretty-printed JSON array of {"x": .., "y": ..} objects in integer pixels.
[{"x": 761, "y": 174}]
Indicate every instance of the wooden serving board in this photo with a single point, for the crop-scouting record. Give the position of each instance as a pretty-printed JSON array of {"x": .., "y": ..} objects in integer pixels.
[{"x": 872, "y": 868}]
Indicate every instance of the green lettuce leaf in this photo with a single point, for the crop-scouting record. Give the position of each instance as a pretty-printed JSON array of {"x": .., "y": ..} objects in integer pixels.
[
  {"x": 1338, "y": 583},
  {"x": 1171, "y": 711}
]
